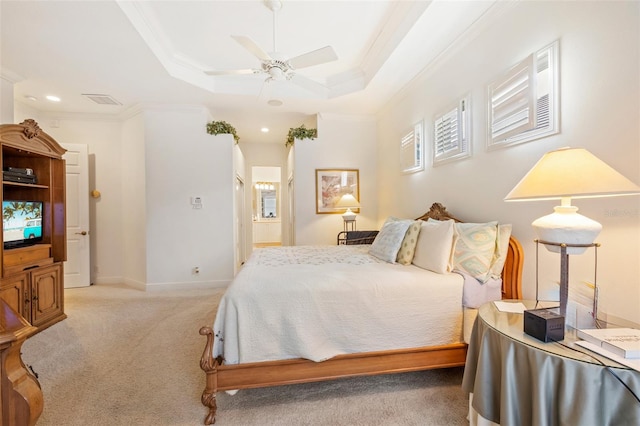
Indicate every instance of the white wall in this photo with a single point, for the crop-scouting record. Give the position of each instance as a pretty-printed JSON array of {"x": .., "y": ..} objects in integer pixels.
[
  {"x": 599, "y": 61},
  {"x": 343, "y": 142},
  {"x": 147, "y": 166},
  {"x": 183, "y": 161},
  {"x": 134, "y": 202},
  {"x": 6, "y": 101},
  {"x": 22, "y": 111}
]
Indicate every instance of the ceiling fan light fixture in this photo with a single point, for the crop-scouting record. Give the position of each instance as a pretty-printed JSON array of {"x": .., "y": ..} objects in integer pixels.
[{"x": 277, "y": 73}]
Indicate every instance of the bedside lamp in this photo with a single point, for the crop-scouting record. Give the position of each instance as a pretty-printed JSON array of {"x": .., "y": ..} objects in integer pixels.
[
  {"x": 348, "y": 201},
  {"x": 564, "y": 174}
]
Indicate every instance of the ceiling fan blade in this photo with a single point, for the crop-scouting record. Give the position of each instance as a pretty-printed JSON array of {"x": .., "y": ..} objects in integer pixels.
[
  {"x": 316, "y": 57},
  {"x": 252, "y": 47},
  {"x": 232, "y": 72},
  {"x": 310, "y": 85}
]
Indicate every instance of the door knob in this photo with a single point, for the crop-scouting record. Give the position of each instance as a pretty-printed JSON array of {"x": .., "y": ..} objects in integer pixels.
[{"x": 81, "y": 233}]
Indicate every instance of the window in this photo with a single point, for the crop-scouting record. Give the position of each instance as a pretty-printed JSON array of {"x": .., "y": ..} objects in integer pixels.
[
  {"x": 523, "y": 103},
  {"x": 412, "y": 150},
  {"x": 451, "y": 134}
]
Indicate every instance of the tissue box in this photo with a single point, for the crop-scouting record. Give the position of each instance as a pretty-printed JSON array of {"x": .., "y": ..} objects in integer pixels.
[{"x": 544, "y": 325}]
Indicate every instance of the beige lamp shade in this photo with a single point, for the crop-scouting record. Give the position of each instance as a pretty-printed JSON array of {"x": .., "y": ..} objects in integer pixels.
[
  {"x": 349, "y": 202},
  {"x": 571, "y": 173},
  {"x": 565, "y": 174}
]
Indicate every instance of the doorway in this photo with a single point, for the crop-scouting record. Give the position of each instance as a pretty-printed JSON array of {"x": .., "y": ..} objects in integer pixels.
[{"x": 266, "y": 206}]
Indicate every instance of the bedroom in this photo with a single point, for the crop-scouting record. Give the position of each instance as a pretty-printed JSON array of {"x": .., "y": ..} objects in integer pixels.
[{"x": 599, "y": 86}]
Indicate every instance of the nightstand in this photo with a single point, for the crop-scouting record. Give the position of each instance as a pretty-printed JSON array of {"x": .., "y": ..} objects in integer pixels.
[{"x": 517, "y": 379}]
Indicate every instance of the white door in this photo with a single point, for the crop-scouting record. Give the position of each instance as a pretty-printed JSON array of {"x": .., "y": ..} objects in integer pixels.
[
  {"x": 292, "y": 213},
  {"x": 77, "y": 266},
  {"x": 240, "y": 213}
]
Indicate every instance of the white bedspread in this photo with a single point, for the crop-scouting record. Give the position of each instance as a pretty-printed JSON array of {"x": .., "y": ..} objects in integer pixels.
[{"x": 319, "y": 302}]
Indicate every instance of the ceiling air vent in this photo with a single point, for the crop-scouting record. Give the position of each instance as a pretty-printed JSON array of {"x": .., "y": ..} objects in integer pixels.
[{"x": 101, "y": 99}]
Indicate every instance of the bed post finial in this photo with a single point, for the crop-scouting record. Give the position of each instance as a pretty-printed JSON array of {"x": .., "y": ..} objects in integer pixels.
[{"x": 209, "y": 365}]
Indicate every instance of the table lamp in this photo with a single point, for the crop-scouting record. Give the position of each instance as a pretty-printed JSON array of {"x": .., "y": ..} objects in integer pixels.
[
  {"x": 564, "y": 174},
  {"x": 348, "y": 201}
]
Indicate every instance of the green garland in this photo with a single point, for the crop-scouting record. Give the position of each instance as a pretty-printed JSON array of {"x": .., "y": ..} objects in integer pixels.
[
  {"x": 222, "y": 127},
  {"x": 300, "y": 133}
]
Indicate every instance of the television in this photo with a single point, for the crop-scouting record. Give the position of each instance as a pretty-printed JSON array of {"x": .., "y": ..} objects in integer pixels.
[{"x": 21, "y": 223}]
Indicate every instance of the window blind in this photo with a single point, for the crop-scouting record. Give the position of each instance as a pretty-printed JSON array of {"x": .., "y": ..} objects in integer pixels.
[{"x": 512, "y": 108}]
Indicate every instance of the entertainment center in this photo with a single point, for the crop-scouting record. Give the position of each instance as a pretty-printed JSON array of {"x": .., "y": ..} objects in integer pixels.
[{"x": 34, "y": 225}]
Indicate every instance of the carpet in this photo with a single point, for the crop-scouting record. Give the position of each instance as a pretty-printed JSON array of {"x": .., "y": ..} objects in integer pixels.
[{"x": 128, "y": 357}]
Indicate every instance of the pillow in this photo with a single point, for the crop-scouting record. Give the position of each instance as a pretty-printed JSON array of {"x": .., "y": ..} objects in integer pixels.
[
  {"x": 435, "y": 246},
  {"x": 387, "y": 243},
  {"x": 502, "y": 247},
  {"x": 475, "y": 248},
  {"x": 408, "y": 246}
]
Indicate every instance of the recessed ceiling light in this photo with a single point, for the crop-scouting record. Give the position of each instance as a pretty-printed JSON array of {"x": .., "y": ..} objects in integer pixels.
[
  {"x": 274, "y": 102},
  {"x": 31, "y": 98},
  {"x": 265, "y": 130},
  {"x": 53, "y": 98}
]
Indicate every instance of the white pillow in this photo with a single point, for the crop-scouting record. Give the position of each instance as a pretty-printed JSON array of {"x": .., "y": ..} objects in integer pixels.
[
  {"x": 475, "y": 248},
  {"x": 435, "y": 246},
  {"x": 389, "y": 239},
  {"x": 502, "y": 247}
]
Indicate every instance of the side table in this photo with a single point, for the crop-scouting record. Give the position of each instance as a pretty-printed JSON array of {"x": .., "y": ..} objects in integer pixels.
[{"x": 517, "y": 380}]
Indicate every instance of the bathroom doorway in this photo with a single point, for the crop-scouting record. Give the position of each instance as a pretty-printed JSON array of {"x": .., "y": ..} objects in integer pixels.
[{"x": 267, "y": 206}]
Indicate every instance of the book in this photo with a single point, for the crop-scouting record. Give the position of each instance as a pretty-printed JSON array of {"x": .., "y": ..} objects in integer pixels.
[
  {"x": 624, "y": 342},
  {"x": 628, "y": 362}
]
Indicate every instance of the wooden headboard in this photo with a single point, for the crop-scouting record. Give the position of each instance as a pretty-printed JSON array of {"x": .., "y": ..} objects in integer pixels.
[{"x": 512, "y": 271}]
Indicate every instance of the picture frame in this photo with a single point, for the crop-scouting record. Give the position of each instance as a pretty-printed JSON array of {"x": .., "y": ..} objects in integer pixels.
[{"x": 331, "y": 185}]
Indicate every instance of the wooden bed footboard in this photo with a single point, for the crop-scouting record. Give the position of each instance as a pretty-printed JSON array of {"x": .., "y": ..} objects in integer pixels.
[{"x": 294, "y": 371}]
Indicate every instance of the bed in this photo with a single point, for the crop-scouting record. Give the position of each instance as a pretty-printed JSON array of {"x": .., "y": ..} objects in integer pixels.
[{"x": 237, "y": 356}]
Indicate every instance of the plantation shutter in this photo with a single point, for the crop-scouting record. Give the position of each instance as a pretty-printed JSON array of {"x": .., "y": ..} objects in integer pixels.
[
  {"x": 449, "y": 138},
  {"x": 512, "y": 108},
  {"x": 410, "y": 150}
]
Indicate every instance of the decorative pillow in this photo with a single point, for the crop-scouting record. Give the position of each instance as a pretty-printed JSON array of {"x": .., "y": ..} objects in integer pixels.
[
  {"x": 502, "y": 247},
  {"x": 408, "y": 246},
  {"x": 475, "y": 248},
  {"x": 389, "y": 239},
  {"x": 435, "y": 246}
]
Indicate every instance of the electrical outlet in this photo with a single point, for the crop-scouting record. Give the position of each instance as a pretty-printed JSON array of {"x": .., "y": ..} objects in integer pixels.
[{"x": 196, "y": 270}]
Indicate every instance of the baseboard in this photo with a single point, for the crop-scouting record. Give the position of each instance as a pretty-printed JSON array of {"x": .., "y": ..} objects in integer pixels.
[
  {"x": 139, "y": 285},
  {"x": 108, "y": 280},
  {"x": 187, "y": 285}
]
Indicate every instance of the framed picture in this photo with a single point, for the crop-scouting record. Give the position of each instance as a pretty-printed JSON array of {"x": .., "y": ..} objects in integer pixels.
[{"x": 331, "y": 185}]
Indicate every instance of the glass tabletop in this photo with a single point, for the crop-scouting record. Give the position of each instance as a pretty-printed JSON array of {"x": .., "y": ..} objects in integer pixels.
[{"x": 512, "y": 326}]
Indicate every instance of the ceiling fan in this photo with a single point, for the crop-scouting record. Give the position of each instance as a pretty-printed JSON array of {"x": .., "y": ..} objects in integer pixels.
[{"x": 276, "y": 66}]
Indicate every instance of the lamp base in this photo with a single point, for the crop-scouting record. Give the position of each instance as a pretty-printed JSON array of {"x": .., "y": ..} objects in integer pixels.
[{"x": 566, "y": 226}]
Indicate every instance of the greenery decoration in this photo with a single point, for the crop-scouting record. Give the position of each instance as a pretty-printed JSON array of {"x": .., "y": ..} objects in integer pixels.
[
  {"x": 222, "y": 127},
  {"x": 300, "y": 133}
]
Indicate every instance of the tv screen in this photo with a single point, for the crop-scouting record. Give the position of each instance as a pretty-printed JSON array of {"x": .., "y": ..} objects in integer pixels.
[{"x": 21, "y": 223}]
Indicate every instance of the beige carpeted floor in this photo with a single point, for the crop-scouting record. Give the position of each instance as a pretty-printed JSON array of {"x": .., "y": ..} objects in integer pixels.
[{"x": 127, "y": 357}]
